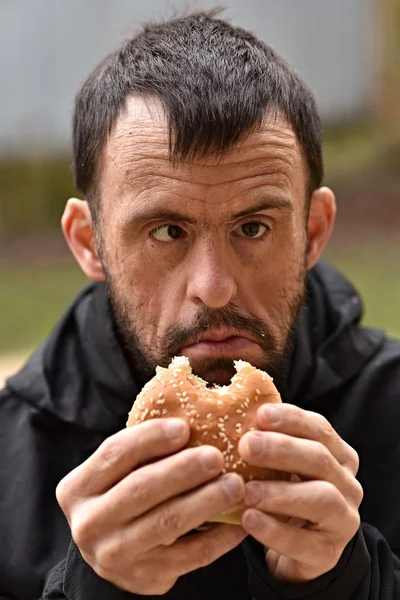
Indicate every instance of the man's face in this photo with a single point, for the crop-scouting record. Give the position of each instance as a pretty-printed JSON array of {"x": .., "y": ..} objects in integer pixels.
[{"x": 204, "y": 259}]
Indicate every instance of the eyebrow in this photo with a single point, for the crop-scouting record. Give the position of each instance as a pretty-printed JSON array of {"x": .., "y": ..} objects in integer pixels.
[{"x": 153, "y": 213}]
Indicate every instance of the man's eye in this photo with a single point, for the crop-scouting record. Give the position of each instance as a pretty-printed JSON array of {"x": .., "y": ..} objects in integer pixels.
[
  {"x": 252, "y": 230},
  {"x": 167, "y": 233}
]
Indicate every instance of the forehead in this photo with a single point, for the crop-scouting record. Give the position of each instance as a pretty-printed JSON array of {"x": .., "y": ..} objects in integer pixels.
[{"x": 137, "y": 155}]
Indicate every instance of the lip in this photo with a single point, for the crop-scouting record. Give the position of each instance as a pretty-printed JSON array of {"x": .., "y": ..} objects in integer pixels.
[
  {"x": 219, "y": 336},
  {"x": 219, "y": 344}
]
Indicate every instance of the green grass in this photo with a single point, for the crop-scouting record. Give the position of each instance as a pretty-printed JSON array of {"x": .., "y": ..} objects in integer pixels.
[
  {"x": 32, "y": 300},
  {"x": 376, "y": 275}
]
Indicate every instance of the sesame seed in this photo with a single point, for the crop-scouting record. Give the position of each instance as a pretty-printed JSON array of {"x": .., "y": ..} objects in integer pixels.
[
  {"x": 258, "y": 392},
  {"x": 205, "y": 433},
  {"x": 239, "y": 411},
  {"x": 226, "y": 417},
  {"x": 164, "y": 411},
  {"x": 204, "y": 427},
  {"x": 256, "y": 399},
  {"x": 191, "y": 422},
  {"x": 219, "y": 402},
  {"x": 244, "y": 414},
  {"x": 209, "y": 416},
  {"x": 214, "y": 437},
  {"x": 161, "y": 401},
  {"x": 184, "y": 394},
  {"x": 197, "y": 427},
  {"x": 221, "y": 419}
]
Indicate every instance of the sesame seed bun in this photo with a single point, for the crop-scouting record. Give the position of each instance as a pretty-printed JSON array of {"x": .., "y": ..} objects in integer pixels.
[{"x": 216, "y": 416}]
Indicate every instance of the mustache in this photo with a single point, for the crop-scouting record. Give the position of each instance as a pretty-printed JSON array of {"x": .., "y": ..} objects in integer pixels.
[{"x": 229, "y": 316}]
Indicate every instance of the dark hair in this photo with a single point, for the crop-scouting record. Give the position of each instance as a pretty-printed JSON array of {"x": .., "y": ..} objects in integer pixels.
[{"x": 216, "y": 83}]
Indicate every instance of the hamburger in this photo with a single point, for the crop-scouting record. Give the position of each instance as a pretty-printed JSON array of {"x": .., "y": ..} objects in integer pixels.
[{"x": 217, "y": 416}]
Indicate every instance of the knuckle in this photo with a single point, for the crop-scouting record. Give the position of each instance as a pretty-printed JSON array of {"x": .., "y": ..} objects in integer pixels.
[
  {"x": 205, "y": 554},
  {"x": 83, "y": 532},
  {"x": 168, "y": 524},
  {"x": 108, "y": 556},
  {"x": 353, "y": 461},
  {"x": 358, "y": 492},
  {"x": 328, "y": 495},
  {"x": 323, "y": 460},
  {"x": 62, "y": 493},
  {"x": 65, "y": 490},
  {"x": 324, "y": 428},
  {"x": 354, "y": 521},
  {"x": 109, "y": 452},
  {"x": 282, "y": 446}
]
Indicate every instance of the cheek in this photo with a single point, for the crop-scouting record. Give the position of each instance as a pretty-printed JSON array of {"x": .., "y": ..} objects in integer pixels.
[
  {"x": 150, "y": 291},
  {"x": 276, "y": 276}
]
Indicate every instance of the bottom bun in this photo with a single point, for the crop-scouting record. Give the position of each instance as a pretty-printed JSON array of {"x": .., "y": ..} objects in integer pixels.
[{"x": 232, "y": 517}]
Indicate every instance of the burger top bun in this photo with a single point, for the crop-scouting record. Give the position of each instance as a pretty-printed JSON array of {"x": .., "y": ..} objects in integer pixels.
[{"x": 216, "y": 416}]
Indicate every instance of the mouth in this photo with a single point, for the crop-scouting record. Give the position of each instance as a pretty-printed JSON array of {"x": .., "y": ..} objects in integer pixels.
[{"x": 220, "y": 343}]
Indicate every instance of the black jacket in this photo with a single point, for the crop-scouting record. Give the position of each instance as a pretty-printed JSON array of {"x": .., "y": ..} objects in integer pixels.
[{"x": 76, "y": 390}]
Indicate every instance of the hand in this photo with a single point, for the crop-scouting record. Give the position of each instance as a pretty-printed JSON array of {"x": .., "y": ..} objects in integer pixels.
[
  {"x": 127, "y": 510},
  {"x": 305, "y": 523}
]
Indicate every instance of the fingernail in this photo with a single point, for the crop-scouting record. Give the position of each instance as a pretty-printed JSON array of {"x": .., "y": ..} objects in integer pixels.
[
  {"x": 270, "y": 414},
  {"x": 210, "y": 459},
  {"x": 253, "y": 494},
  {"x": 255, "y": 445},
  {"x": 234, "y": 485},
  {"x": 251, "y": 519},
  {"x": 175, "y": 428}
]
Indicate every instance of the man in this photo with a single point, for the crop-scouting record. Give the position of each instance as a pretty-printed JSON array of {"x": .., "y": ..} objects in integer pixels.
[{"x": 197, "y": 151}]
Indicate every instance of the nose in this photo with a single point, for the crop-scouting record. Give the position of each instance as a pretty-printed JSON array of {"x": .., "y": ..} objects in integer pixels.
[{"x": 211, "y": 278}]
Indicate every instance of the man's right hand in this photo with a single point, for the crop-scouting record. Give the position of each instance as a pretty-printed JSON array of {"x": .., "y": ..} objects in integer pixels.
[{"x": 131, "y": 502}]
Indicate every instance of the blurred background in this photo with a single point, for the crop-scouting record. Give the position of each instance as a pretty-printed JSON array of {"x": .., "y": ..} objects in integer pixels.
[{"x": 348, "y": 51}]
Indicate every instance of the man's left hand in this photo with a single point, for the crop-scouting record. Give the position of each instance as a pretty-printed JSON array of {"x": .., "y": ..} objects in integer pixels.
[{"x": 305, "y": 523}]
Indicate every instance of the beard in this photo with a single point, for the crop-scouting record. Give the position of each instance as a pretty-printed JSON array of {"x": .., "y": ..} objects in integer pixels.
[{"x": 276, "y": 347}]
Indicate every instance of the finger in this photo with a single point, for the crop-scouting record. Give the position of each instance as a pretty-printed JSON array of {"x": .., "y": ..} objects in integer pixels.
[
  {"x": 120, "y": 454},
  {"x": 312, "y": 552},
  {"x": 153, "y": 484},
  {"x": 169, "y": 521},
  {"x": 201, "y": 549},
  {"x": 317, "y": 502},
  {"x": 157, "y": 571},
  {"x": 294, "y": 421},
  {"x": 306, "y": 458}
]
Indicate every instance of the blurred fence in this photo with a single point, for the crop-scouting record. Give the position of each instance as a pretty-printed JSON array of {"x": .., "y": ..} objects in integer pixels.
[{"x": 346, "y": 50}]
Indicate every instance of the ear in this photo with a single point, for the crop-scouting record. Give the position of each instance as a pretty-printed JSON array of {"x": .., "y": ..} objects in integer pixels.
[
  {"x": 77, "y": 226},
  {"x": 321, "y": 219}
]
